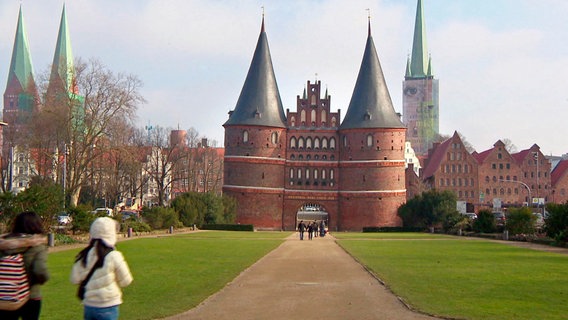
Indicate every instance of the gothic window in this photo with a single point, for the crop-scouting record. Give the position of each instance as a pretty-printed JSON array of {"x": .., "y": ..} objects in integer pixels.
[
  {"x": 245, "y": 136},
  {"x": 315, "y": 173},
  {"x": 293, "y": 121},
  {"x": 324, "y": 143},
  {"x": 316, "y": 143},
  {"x": 323, "y": 173},
  {"x": 369, "y": 140},
  {"x": 333, "y": 122},
  {"x": 299, "y": 173},
  {"x": 291, "y": 173},
  {"x": 331, "y": 174},
  {"x": 303, "y": 116},
  {"x": 332, "y": 143},
  {"x": 313, "y": 102},
  {"x": 313, "y": 116},
  {"x": 309, "y": 143},
  {"x": 307, "y": 173},
  {"x": 323, "y": 116},
  {"x": 301, "y": 143},
  {"x": 293, "y": 142},
  {"x": 274, "y": 137}
]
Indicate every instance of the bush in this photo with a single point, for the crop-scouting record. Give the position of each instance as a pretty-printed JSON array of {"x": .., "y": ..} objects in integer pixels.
[
  {"x": 162, "y": 218},
  {"x": 82, "y": 219},
  {"x": 393, "y": 229},
  {"x": 520, "y": 221},
  {"x": 485, "y": 222},
  {"x": 556, "y": 223},
  {"x": 136, "y": 225},
  {"x": 228, "y": 227}
]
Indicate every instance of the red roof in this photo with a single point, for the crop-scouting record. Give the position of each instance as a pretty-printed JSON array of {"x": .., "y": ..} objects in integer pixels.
[
  {"x": 559, "y": 171},
  {"x": 435, "y": 159}
]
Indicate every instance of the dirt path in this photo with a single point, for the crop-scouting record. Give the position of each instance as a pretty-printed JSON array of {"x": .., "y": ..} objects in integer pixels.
[{"x": 309, "y": 279}]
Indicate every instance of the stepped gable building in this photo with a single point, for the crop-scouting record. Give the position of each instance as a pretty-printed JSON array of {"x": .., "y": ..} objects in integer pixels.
[
  {"x": 559, "y": 181},
  {"x": 535, "y": 168},
  {"x": 451, "y": 167},
  {"x": 305, "y": 164},
  {"x": 420, "y": 98}
]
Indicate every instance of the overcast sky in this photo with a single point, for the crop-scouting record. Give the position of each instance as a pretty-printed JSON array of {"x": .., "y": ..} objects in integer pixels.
[{"x": 502, "y": 64}]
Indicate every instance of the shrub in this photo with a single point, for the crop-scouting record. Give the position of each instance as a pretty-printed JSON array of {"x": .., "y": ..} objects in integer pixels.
[
  {"x": 520, "y": 221},
  {"x": 393, "y": 229},
  {"x": 228, "y": 227},
  {"x": 82, "y": 219},
  {"x": 162, "y": 218},
  {"x": 556, "y": 223},
  {"x": 485, "y": 222}
]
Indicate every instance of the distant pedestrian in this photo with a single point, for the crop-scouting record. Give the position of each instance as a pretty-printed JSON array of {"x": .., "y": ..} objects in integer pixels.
[
  {"x": 315, "y": 229},
  {"x": 310, "y": 231},
  {"x": 301, "y": 229},
  {"x": 108, "y": 269},
  {"x": 322, "y": 228}
]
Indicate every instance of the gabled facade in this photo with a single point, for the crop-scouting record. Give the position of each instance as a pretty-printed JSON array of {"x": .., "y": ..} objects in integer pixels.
[
  {"x": 559, "y": 181},
  {"x": 535, "y": 169},
  {"x": 451, "y": 167},
  {"x": 500, "y": 181}
]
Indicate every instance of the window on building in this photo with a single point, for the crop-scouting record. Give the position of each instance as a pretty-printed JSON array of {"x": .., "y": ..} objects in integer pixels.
[
  {"x": 324, "y": 143},
  {"x": 316, "y": 143},
  {"x": 332, "y": 143},
  {"x": 303, "y": 116},
  {"x": 331, "y": 174},
  {"x": 293, "y": 142},
  {"x": 369, "y": 140},
  {"x": 245, "y": 136},
  {"x": 301, "y": 143},
  {"x": 291, "y": 173},
  {"x": 313, "y": 116},
  {"x": 274, "y": 137},
  {"x": 308, "y": 143}
]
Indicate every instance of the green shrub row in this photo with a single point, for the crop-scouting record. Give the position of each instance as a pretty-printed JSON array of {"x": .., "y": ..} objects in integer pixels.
[
  {"x": 228, "y": 227},
  {"x": 393, "y": 229}
]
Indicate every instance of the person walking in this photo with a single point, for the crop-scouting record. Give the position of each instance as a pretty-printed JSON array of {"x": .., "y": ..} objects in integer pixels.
[
  {"x": 108, "y": 269},
  {"x": 27, "y": 237},
  {"x": 315, "y": 229},
  {"x": 301, "y": 229},
  {"x": 310, "y": 231}
]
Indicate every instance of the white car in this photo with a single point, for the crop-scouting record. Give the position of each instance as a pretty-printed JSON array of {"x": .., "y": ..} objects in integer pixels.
[{"x": 64, "y": 219}]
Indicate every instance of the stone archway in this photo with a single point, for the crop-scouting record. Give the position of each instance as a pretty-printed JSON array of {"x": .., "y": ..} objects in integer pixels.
[{"x": 312, "y": 212}]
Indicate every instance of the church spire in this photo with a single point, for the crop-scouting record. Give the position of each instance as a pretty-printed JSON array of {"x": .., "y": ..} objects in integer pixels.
[
  {"x": 419, "y": 60},
  {"x": 259, "y": 102},
  {"x": 21, "y": 69},
  {"x": 371, "y": 104},
  {"x": 62, "y": 69}
]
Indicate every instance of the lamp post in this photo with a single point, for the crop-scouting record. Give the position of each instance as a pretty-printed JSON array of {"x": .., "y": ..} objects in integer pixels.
[{"x": 524, "y": 184}]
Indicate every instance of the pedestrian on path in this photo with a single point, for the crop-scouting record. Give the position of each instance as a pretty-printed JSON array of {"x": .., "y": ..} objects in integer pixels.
[
  {"x": 107, "y": 268},
  {"x": 310, "y": 231},
  {"x": 301, "y": 229}
]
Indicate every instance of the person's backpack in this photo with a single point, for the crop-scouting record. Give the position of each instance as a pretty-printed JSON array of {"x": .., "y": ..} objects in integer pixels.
[{"x": 14, "y": 285}]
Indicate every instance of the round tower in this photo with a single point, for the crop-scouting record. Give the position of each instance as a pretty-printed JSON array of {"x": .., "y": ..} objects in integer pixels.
[
  {"x": 255, "y": 138},
  {"x": 371, "y": 146}
]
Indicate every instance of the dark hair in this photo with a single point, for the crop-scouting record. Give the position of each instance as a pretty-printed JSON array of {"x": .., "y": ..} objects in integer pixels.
[
  {"x": 100, "y": 246},
  {"x": 27, "y": 222}
]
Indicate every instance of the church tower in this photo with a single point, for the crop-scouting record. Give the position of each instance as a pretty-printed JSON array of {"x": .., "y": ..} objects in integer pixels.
[
  {"x": 254, "y": 152},
  {"x": 420, "y": 92},
  {"x": 21, "y": 96},
  {"x": 371, "y": 146}
]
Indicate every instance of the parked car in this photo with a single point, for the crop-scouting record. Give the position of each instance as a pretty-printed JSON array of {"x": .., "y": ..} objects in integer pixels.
[
  {"x": 129, "y": 215},
  {"x": 500, "y": 218},
  {"x": 64, "y": 219},
  {"x": 107, "y": 211},
  {"x": 471, "y": 215}
]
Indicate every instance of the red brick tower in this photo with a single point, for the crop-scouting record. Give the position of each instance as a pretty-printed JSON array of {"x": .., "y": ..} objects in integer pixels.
[
  {"x": 371, "y": 147},
  {"x": 254, "y": 152}
]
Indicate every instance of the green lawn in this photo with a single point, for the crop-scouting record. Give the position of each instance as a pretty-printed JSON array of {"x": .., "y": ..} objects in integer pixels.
[
  {"x": 171, "y": 274},
  {"x": 466, "y": 279}
]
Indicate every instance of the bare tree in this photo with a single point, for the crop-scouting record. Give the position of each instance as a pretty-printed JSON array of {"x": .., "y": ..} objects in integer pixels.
[
  {"x": 509, "y": 146},
  {"x": 75, "y": 122}
]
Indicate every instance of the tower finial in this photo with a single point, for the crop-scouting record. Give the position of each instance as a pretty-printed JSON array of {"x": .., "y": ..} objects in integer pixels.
[
  {"x": 369, "y": 18},
  {"x": 262, "y": 29}
]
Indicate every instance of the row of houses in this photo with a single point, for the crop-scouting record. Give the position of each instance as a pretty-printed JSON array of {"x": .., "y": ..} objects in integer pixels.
[{"x": 494, "y": 178}]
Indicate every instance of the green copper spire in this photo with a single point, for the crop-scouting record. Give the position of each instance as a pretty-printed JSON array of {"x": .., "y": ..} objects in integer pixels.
[
  {"x": 430, "y": 74},
  {"x": 62, "y": 68},
  {"x": 419, "y": 60},
  {"x": 21, "y": 65}
]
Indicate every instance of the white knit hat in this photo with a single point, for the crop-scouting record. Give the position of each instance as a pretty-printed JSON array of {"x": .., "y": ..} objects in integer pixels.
[{"x": 104, "y": 228}]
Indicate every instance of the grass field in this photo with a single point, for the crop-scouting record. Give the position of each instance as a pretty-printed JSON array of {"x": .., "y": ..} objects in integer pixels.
[
  {"x": 171, "y": 274},
  {"x": 465, "y": 279}
]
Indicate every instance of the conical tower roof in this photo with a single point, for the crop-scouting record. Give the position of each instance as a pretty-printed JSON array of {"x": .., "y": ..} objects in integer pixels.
[
  {"x": 62, "y": 69},
  {"x": 259, "y": 103},
  {"x": 419, "y": 62},
  {"x": 371, "y": 104},
  {"x": 21, "y": 69}
]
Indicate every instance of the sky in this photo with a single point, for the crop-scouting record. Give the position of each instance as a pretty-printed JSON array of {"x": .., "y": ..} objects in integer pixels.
[{"x": 501, "y": 64}]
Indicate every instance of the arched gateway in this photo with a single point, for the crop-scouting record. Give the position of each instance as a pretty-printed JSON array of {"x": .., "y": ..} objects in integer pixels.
[{"x": 312, "y": 212}]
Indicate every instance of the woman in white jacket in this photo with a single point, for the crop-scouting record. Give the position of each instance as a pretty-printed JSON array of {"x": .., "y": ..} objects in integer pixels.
[{"x": 102, "y": 292}]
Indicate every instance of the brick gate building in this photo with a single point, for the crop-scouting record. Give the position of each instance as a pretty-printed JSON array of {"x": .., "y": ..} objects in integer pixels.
[{"x": 277, "y": 164}]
